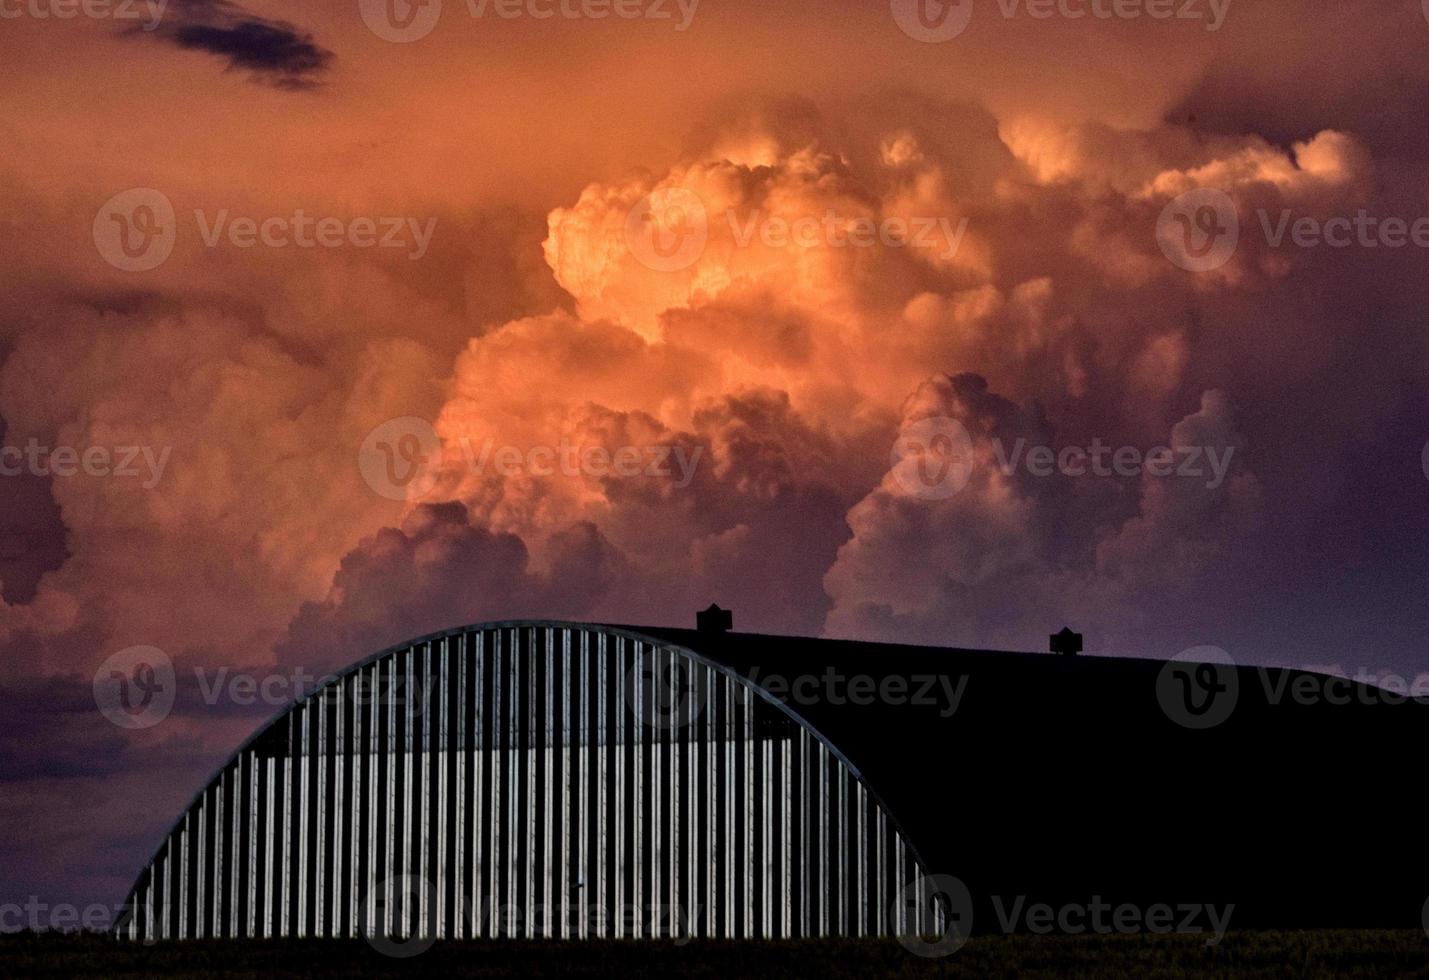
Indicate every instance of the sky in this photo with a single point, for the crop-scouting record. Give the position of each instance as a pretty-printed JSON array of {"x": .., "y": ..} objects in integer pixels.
[{"x": 328, "y": 325}]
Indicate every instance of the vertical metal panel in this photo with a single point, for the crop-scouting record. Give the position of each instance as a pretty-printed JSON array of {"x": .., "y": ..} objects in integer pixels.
[
  {"x": 547, "y": 756},
  {"x": 462, "y": 749},
  {"x": 529, "y": 759},
  {"x": 251, "y": 840},
  {"x": 235, "y": 842},
  {"x": 805, "y": 848},
  {"x": 187, "y": 841},
  {"x": 844, "y": 845},
  {"x": 270, "y": 841},
  {"x": 879, "y": 875},
  {"x": 337, "y": 750},
  {"x": 689, "y": 730},
  {"x": 443, "y": 749},
  {"x": 588, "y": 758},
  {"x": 480, "y": 821},
  {"x": 357, "y": 751},
  {"x": 513, "y": 785},
  {"x": 604, "y": 751},
  {"x": 389, "y": 792},
  {"x": 166, "y": 864},
  {"x": 861, "y": 878},
  {"x": 576, "y": 840},
  {"x": 672, "y": 892},
  {"x": 766, "y": 845},
  {"x": 219, "y": 881},
  {"x": 622, "y": 817},
  {"x": 320, "y": 819},
  {"x": 900, "y": 911},
  {"x": 419, "y": 798},
  {"x": 498, "y": 745},
  {"x": 750, "y": 871},
  {"x": 651, "y": 658},
  {"x": 374, "y": 753},
  {"x": 730, "y": 861},
  {"x": 637, "y": 805},
  {"x": 302, "y": 866},
  {"x": 409, "y": 766},
  {"x": 711, "y": 749},
  {"x": 285, "y": 923},
  {"x": 785, "y": 801}
]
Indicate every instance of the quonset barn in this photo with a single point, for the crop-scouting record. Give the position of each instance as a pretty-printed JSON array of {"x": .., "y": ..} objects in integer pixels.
[
  {"x": 534, "y": 779},
  {"x": 549, "y": 779}
]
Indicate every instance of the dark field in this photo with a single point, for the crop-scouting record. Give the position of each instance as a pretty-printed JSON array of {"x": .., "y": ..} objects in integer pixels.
[{"x": 1252, "y": 954}]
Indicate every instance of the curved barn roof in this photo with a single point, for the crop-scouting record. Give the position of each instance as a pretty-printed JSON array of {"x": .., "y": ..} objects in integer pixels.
[{"x": 746, "y": 713}]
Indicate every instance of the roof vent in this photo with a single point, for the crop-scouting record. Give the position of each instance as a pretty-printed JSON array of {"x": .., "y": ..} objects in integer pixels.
[
  {"x": 1067, "y": 643},
  {"x": 714, "y": 620}
]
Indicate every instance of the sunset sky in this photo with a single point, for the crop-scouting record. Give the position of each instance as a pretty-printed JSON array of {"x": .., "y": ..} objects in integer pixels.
[{"x": 758, "y": 252}]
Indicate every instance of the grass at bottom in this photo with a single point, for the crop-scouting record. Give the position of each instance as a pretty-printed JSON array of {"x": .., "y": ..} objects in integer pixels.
[{"x": 1327, "y": 953}]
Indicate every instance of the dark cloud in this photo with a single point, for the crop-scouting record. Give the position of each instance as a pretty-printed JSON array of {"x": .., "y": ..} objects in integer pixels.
[
  {"x": 32, "y": 533},
  {"x": 275, "y": 52},
  {"x": 437, "y": 570}
]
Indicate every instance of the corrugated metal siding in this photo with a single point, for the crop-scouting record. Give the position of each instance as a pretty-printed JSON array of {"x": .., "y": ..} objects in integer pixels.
[{"x": 536, "y": 781}]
